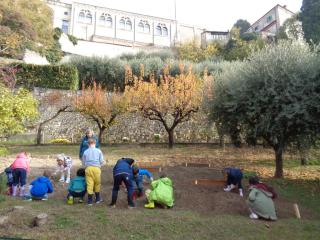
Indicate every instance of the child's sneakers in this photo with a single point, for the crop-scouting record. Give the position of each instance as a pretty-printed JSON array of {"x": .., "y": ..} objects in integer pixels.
[
  {"x": 98, "y": 198},
  {"x": 229, "y": 188},
  {"x": 80, "y": 200},
  {"x": 27, "y": 198},
  {"x": 241, "y": 192},
  {"x": 90, "y": 199},
  {"x": 131, "y": 206},
  {"x": 70, "y": 200},
  {"x": 61, "y": 179},
  {"x": 253, "y": 216},
  {"x": 111, "y": 205},
  {"x": 14, "y": 191}
]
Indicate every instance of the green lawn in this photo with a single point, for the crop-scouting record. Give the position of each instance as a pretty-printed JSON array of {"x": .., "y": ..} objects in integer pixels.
[{"x": 103, "y": 223}]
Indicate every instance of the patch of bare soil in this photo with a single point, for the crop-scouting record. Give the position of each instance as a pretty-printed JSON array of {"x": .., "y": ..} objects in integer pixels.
[{"x": 208, "y": 200}]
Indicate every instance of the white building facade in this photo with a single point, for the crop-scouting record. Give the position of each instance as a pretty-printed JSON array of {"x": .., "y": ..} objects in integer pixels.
[
  {"x": 104, "y": 31},
  {"x": 269, "y": 24}
]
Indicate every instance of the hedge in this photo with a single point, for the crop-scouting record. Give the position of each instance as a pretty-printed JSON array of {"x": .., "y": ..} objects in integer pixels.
[
  {"x": 109, "y": 72},
  {"x": 48, "y": 76}
]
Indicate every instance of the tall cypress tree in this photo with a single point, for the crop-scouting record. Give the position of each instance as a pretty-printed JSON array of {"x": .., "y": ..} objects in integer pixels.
[{"x": 310, "y": 17}]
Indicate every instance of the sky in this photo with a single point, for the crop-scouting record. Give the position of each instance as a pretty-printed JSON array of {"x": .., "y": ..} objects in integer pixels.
[{"x": 215, "y": 15}]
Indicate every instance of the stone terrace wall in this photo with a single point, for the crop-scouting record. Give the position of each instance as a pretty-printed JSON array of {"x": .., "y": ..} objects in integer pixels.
[{"x": 130, "y": 127}]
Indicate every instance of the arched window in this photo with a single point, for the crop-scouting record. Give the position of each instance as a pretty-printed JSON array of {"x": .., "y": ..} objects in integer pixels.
[
  {"x": 165, "y": 31},
  {"x": 105, "y": 20},
  {"x": 128, "y": 25},
  {"x": 122, "y": 24},
  {"x": 158, "y": 30},
  {"x": 82, "y": 17},
  {"x": 141, "y": 27},
  {"x": 109, "y": 22},
  {"x": 147, "y": 28},
  {"x": 89, "y": 18},
  {"x": 102, "y": 20}
]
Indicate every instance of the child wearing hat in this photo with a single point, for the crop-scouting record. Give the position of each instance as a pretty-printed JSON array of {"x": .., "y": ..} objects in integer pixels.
[{"x": 64, "y": 165}]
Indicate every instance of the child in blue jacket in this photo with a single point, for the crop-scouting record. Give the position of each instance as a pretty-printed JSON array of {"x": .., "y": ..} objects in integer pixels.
[
  {"x": 138, "y": 178},
  {"x": 234, "y": 178},
  {"x": 40, "y": 187},
  {"x": 122, "y": 173},
  {"x": 9, "y": 174}
]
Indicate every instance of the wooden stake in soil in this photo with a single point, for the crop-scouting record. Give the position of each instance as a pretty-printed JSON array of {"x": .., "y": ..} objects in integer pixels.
[
  {"x": 199, "y": 165},
  {"x": 40, "y": 220},
  {"x": 296, "y": 210},
  {"x": 209, "y": 182}
]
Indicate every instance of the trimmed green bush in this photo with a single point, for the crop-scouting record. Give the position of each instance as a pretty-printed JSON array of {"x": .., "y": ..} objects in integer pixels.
[
  {"x": 48, "y": 76},
  {"x": 60, "y": 141}
]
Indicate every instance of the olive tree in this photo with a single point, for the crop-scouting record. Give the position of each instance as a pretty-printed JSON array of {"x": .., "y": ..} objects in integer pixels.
[{"x": 274, "y": 95}]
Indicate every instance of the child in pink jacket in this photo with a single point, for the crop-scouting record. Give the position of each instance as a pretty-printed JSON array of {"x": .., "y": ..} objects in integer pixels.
[{"x": 20, "y": 167}]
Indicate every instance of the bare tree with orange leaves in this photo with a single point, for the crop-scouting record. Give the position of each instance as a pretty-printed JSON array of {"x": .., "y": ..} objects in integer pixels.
[
  {"x": 100, "y": 106},
  {"x": 53, "y": 104},
  {"x": 169, "y": 100}
]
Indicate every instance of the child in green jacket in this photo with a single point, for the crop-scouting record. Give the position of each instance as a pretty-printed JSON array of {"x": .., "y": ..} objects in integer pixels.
[
  {"x": 77, "y": 187},
  {"x": 161, "y": 192}
]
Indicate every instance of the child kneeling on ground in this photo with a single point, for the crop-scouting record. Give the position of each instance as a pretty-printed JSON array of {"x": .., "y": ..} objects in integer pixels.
[
  {"x": 77, "y": 187},
  {"x": 6, "y": 181},
  {"x": 40, "y": 187},
  {"x": 234, "y": 178},
  {"x": 138, "y": 179},
  {"x": 260, "y": 200},
  {"x": 9, "y": 174},
  {"x": 161, "y": 193}
]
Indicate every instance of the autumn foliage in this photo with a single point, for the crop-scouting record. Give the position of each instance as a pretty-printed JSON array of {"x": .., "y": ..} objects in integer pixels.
[
  {"x": 101, "y": 106},
  {"x": 170, "y": 100}
]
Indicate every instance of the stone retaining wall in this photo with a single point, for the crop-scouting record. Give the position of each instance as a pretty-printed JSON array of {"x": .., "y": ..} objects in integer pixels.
[{"x": 130, "y": 127}]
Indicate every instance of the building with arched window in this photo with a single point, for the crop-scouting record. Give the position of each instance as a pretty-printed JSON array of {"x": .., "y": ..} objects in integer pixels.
[{"x": 99, "y": 27}]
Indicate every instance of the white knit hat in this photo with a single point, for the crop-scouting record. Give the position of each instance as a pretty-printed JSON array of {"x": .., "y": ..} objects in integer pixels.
[{"x": 60, "y": 157}]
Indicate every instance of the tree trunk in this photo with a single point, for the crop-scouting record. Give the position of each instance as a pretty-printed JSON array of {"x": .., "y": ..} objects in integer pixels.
[
  {"x": 303, "y": 157},
  {"x": 101, "y": 131},
  {"x": 279, "y": 161},
  {"x": 39, "y": 135},
  {"x": 170, "y": 138},
  {"x": 221, "y": 141},
  {"x": 303, "y": 153}
]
